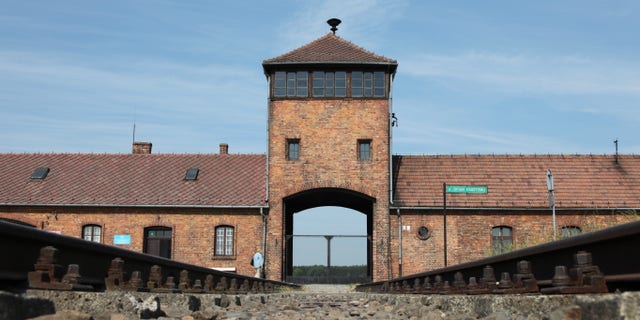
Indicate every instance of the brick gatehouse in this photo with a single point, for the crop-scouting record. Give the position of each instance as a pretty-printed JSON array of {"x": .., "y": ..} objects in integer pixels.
[{"x": 330, "y": 123}]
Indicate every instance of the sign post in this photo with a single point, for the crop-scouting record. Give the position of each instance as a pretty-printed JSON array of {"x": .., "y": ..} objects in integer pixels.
[
  {"x": 444, "y": 219},
  {"x": 455, "y": 189}
]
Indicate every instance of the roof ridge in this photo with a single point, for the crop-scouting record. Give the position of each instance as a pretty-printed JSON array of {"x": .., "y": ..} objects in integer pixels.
[
  {"x": 517, "y": 155},
  {"x": 123, "y": 154}
]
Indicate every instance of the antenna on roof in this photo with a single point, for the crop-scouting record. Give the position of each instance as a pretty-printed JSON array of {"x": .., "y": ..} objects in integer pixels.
[
  {"x": 616, "y": 143},
  {"x": 334, "y": 22}
]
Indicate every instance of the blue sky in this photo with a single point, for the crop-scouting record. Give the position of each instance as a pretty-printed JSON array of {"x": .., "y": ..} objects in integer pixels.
[{"x": 473, "y": 77}]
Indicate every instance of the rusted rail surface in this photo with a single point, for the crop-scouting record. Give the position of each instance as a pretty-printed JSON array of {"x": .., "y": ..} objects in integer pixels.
[
  {"x": 33, "y": 258},
  {"x": 601, "y": 261}
]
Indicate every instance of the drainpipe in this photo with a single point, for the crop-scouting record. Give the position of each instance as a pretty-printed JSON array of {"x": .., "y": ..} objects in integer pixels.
[
  {"x": 389, "y": 272},
  {"x": 266, "y": 195},
  {"x": 399, "y": 243},
  {"x": 264, "y": 241},
  {"x": 266, "y": 192},
  {"x": 390, "y": 141}
]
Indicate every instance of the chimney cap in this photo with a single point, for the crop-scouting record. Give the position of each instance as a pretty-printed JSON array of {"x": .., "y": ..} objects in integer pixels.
[
  {"x": 140, "y": 147},
  {"x": 224, "y": 148}
]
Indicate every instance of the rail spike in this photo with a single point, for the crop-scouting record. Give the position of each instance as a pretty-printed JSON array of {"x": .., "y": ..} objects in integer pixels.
[
  {"x": 50, "y": 276},
  {"x": 584, "y": 277}
]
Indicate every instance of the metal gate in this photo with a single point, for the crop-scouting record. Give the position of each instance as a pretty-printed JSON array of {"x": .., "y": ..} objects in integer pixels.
[{"x": 332, "y": 274}]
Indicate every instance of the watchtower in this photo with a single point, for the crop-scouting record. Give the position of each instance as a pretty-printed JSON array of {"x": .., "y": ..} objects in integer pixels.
[{"x": 329, "y": 142}]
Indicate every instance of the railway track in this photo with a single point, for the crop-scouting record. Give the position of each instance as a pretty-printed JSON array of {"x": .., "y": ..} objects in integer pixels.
[
  {"x": 603, "y": 261},
  {"x": 33, "y": 258},
  {"x": 596, "y": 262}
]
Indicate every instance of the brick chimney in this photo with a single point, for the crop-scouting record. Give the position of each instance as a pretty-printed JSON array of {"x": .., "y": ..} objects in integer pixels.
[
  {"x": 224, "y": 148},
  {"x": 141, "y": 147}
]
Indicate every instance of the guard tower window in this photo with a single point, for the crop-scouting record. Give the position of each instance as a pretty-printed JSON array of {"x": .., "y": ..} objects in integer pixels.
[
  {"x": 329, "y": 84},
  {"x": 280, "y": 84},
  {"x": 367, "y": 84},
  {"x": 502, "y": 239},
  {"x": 293, "y": 149},
  {"x": 341, "y": 84},
  {"x": 92, "y": 232},
  {"x": 364, "y": 150},
  {"x": 291, "y": 84}
]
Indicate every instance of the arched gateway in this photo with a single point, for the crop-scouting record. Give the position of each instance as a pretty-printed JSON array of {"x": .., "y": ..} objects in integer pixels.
[
  {"x": 329, "y": 142},
  {"x": 319, "y": 197}
]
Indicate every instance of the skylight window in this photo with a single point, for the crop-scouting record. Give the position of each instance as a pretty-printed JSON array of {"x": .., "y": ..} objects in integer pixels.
[
  {"x": 192, "y": 174},
  {"x": 40, "y": 173}
]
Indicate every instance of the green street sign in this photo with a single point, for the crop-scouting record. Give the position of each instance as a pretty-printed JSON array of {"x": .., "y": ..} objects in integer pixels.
[{"x": 467, "y": 189}]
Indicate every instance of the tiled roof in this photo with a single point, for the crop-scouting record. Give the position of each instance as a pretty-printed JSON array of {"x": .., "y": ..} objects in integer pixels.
[
  {"x": 513, "y": 181},
  {"x": 133, "y": 179},
  {"x": 516, "y": 181},
  {"x": 330, "y": 49}
]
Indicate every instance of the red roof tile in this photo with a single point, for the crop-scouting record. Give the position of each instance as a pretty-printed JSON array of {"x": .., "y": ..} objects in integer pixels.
[
  {"x": 330, "y": 49},
  {"x": 581, "y": 181},
  {"x": 513, "y": 181},
  {"x": 133, "y": 179}
]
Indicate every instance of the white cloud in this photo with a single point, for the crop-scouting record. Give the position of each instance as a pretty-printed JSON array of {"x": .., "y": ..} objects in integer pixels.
[
  {"x": 362, "y": 21},
  {"x": 530, "y": 74},
  {"x": 84, "y": 97}
]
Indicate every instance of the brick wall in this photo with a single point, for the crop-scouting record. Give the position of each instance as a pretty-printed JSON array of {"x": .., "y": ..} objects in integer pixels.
[
  {"x": 192, "y": 229},
  {"x": 469, "y": 233},
  {"x": 329, "y": 131}
]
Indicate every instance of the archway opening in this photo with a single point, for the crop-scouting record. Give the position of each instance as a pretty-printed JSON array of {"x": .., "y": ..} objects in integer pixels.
[
  {"x": 329, "y": 246},
  {"x": 331, "y": 228}
]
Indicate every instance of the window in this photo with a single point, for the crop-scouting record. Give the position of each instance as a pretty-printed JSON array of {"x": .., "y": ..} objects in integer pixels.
[
  {"x": 329, "y": 84},
  {"x": 224, "y": 241},
  {"x": 280, "y": 84},
  {"x": 192, "y": 174},
  {"x": 502, "y": 239},
  {"x": 379, "y": 87},
  {"x": 92, "y": 232},
  {"x": 341, "y": 84},
  {"x": 367, "y": 84},
  {"x": 570, "y": 231},
  {"x": 364, "y": 149},
  {"x": 40, "y": 173},
  {"x": 293, "y": 149},
  {"x": 157, "y": 241},
  {"x": 291, "y": 84}
]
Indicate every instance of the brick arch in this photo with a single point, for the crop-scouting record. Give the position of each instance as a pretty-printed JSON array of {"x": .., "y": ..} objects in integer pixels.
[
  {"x": 338, "y": 197},
  {"x": 325, "y": 196}
]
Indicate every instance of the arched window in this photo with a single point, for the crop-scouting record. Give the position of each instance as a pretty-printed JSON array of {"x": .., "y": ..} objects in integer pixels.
[
  {"x": 501, "y": 239},
  {"x": 224, "y": 241},
  {"x": 157, "y": 241},
  {"x": 570, "y": 231},
  {"x": 92, "y": 232}
]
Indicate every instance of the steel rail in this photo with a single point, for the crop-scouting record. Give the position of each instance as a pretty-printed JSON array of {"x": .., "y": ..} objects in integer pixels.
[
  {"x": 613, "y": 251},
  {"x": 22, "y": 250}
]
